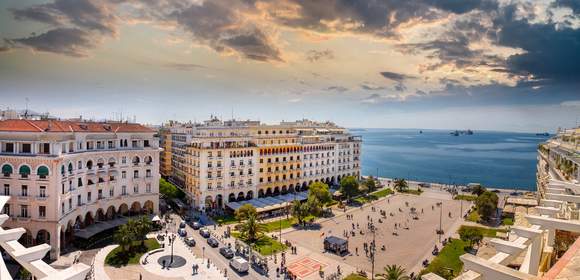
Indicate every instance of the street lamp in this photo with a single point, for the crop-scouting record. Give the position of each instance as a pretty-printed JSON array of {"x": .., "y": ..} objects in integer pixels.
[
  {"x": 171, "y": 241},
  {"x": 203, "y": 253}
]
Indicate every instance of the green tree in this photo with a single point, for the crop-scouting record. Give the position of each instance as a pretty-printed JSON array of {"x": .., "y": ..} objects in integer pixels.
[
  {"x": 470, "y": 235},
  {"x": 170, "y": 190},
  {"x": 486, "y": 205},
  {"x": 314, "y": 206},
  {"x": 142, "y": 227},
  {"x": 251, "y": 229},
  {"x": 244, "y": 211},
  {"x": 321, "y": 191},
  {"x": 401, "y": 185},
  {"x": 125, "y": 235},
  {"x": 349, "y": 186},
  {"x": 300, "y": 211},
  {"x": 393, "y": 272},
  {"x": 478, "y": 190},
  {"x": 371, "y": 184}
]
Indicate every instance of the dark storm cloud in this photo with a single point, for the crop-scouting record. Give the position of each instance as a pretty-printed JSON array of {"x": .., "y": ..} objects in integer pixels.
[
  {"x": 315, "y": 55},
  {"x": 217, "y": 24},
  {"x": 184, "y": 66},
  {"x": 397, "y": 77},
  {"x": 67, "y": 41}
]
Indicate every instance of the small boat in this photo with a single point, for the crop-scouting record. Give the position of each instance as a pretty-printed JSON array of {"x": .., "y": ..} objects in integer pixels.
[
  {"x": 455, "y": 133},
  {"x": 543, "y": 134},
  {"x": 469, "y": 132},
  {"x": 420, "y": 131}
]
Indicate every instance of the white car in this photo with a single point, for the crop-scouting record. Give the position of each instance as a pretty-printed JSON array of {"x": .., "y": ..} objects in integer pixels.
[
  {"x": 239, "y": 264},
  {"x": 182, "y": 232}
]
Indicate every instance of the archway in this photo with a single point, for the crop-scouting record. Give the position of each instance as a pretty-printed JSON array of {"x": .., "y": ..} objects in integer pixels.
[
  {"x": 261, "y": 193},
  {"x": 241, "y": 196},
  {"x": 42, "y": 236},
  {"x": 135, "y": 208},
  {"x": 148, "y": 207},
  {"x": 124, "y": 209},
  {"x": 219, "y": 201},
  {"x": 269, "y": 192},
  {"x": 111, "y": 212},
  {"x": 89, "y": 220},
  {"x": 249, "y": 195},
  {"x": 100, "y": 215},
  {"x": 232, "y": 197},
  {"x": 284, "y": 190},
  {"x": 297, "y": 188},
  {"x": 26, "y": 239},
  {"x": 208, "y": 202},
  {"x": 78, "y": 223},
  {"x": 276, "y": 191}
]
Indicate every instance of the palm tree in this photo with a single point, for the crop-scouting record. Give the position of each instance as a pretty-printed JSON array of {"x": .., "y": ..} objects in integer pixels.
[
  {"x": 393, "y": 272},
  {"x": 401, "y": 185},
  {"x": 252, "y": 229},
  {"x": 142, "y": 228},
  {"x": 124, "y": 236}
]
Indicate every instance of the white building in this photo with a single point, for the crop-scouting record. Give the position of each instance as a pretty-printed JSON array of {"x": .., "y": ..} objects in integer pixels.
[
  {"x": 219, "y": 162},
  {"x": 62, "y": 177}
]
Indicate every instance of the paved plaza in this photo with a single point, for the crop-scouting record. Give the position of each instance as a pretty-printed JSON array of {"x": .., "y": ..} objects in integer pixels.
[{"x": 413, "y": 242}]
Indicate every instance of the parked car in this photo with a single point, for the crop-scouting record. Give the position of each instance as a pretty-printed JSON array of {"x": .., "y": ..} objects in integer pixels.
[
  {"x": 227, "y": 252},
  {"x": 212, "y": 242},
  {"x": 239, "y": 264},
  {"x": 182, "y": 232},
  {"x": 196, "y": 225},
  {"x": 190, "y": 241},
  {"x": 182, "y": 224},
  {"x": 204, "y": 232}
]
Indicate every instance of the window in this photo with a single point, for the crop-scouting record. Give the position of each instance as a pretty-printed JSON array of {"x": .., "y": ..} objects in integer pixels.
[
  {"x": 148, "y": 173},
  {"x": 124, "y": 160},
  {"x": 6, "y": 189},
  {"x": 124, "y": 190},
  {"x": 42, "y": 172},
  {"x": 100, "y": 194},
  {"x": 42, "y": 191},
  {"x": 146, "y": 143},
  {"x": 6, "y": 170},
  {"x": 89, "y": 197},
  {"x": 124, "y": 174},
  {"x": 111, "y": 192},
  {"x": 136, "y": 174},
  {"x": 79, "y": 165},
  {"x": 24, "y": 211},
  {"x": 24, "y": 190},
  {"x": 62, "y": 208},
  {"x": 9, "y": 148},
  {"x": 110, "y": 145},
  {"x": 44, "y": 148},
  {"x": 6, "y": 209},
  {"x": 136, "y": 189},
  {"x": 24, "y": 171},
  {"x": 26, "y": 148},
  {"x": 80, "y": 182},
  {"x": 148, "y": 188},
  {"x": 70, "y": 202},
  {"x": 42, "y": 211}
]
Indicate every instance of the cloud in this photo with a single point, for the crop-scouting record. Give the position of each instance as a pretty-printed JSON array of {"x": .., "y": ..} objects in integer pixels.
[
  {"x": 314, "y": 55},
  {"x": 368, "y": 86},
  {"x": 184, "y": 66},
  {"x": 397, "y": 77},
  {"x": 336, "y": 88},
  {"x": 571, "y": 103},
  {"x": 68, "y": 41}
]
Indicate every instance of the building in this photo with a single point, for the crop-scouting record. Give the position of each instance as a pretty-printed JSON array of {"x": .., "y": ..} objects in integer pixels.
[
  {"x": 69, "y": 180},
  {"x": 165, "y": 156},
  {"x": 221, "y": 162},
  {"x": 547, "y": 241}
]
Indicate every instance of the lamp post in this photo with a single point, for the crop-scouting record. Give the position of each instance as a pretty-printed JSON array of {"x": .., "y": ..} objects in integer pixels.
[
  {"x": 171, "y": 241},
  {"x": 202, "y": 253},
  {"x": 373, "y": 251}
]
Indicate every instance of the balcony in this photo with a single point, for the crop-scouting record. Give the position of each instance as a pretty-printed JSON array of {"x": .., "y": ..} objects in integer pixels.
[
  {"x": 41, "y": 198},
  {"x": 23, "y": 198}
]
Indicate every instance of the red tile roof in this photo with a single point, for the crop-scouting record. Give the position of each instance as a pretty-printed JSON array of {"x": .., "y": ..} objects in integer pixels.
[{"x": 69, "y": 126}]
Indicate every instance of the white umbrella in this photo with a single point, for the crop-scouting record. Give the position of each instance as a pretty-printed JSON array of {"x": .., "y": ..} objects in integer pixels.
[{"x": 156, "y": 219}]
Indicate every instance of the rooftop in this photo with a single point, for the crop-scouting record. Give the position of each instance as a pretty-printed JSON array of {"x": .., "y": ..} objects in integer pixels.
[{"x": 22, "y": 125}]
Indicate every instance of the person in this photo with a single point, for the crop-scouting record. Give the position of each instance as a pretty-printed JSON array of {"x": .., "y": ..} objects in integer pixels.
[{"x": 356, "y": 250}]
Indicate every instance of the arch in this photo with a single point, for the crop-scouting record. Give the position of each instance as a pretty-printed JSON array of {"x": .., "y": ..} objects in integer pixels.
[
  {"x": 136, "y": 160},
  {"x": 100, "y": 215},
  {"x": 208, "y": 202},
  {"x": 89, "y": 219},
  {"x": 112, "y": 161},
  {"x": 232, "y": 197},
  {"x": 70, "y": 167},
  {"x": 24, "y": 170},
  {"x": 123, "y": 209},
  {"x": 42, "y": 171},
  {"x": 26, "y": 239},
  {"x": 219, "y": 201},
  {"x": 89, "y": 164},
  {"x": 269, "y": 192},
  {"x": 78, "y": 222},
  {"x": 249, "y": 195},
  {"x": 110, "y": 214},
  {"x": 148, "y": 160},
  {"x": 42, "y": 236},
  {"x": 135, "y": 208},
  {"x": 241, "y": 196},
  {"x": 7, "y": 169},
  {"x": 276, "y": 191},
  {"x": 148, "y": 207},
  {"x": 284, "y": 190}
]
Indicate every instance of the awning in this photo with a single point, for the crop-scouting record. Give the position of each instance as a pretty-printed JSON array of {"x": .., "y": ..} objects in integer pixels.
[
  {"x": 264, "y": 204},
  {"x": 156, "y": 219}
]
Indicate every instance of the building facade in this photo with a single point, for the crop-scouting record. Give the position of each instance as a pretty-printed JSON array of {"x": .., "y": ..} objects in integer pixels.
[
  {"x": 218, "y": 162},
  {"x": 64, "y": 176}
]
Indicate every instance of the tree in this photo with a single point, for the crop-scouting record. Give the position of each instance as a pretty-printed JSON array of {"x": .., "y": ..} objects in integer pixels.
[
  {"x": 142, "y": 228},
  {"x": 349, "y": 186},
  {"x": 252, "y": 229},
  {"x": 371, "y": 184},
  {"x": 393, "y": 272},
  {"x": 471, "y": 235},
  {"x": 314, "y": 206},
  {"x": 300, "y": 211},
  {"x": 321, "y": 191},
  {"x": 401, "y": 185},
  {"x": 125, "y": 235},
  {"x": 244, "y": 211},
  {"x": 478, "y": 190},
  {"x": 486, "y": 204},
  {"x": 170, "y": 190}
]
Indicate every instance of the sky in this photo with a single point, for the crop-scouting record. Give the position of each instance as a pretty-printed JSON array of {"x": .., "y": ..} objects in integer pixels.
[{"x": 444, "y": 64}]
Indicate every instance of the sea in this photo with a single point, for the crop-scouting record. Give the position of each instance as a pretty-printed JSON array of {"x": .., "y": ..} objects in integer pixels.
[{"x": 494, "y": 159}]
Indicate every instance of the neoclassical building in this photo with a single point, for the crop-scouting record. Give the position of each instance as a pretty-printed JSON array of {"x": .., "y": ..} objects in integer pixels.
[
  {"x": 72, "y": 179},
  {"x": 220, "y": 162}
]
